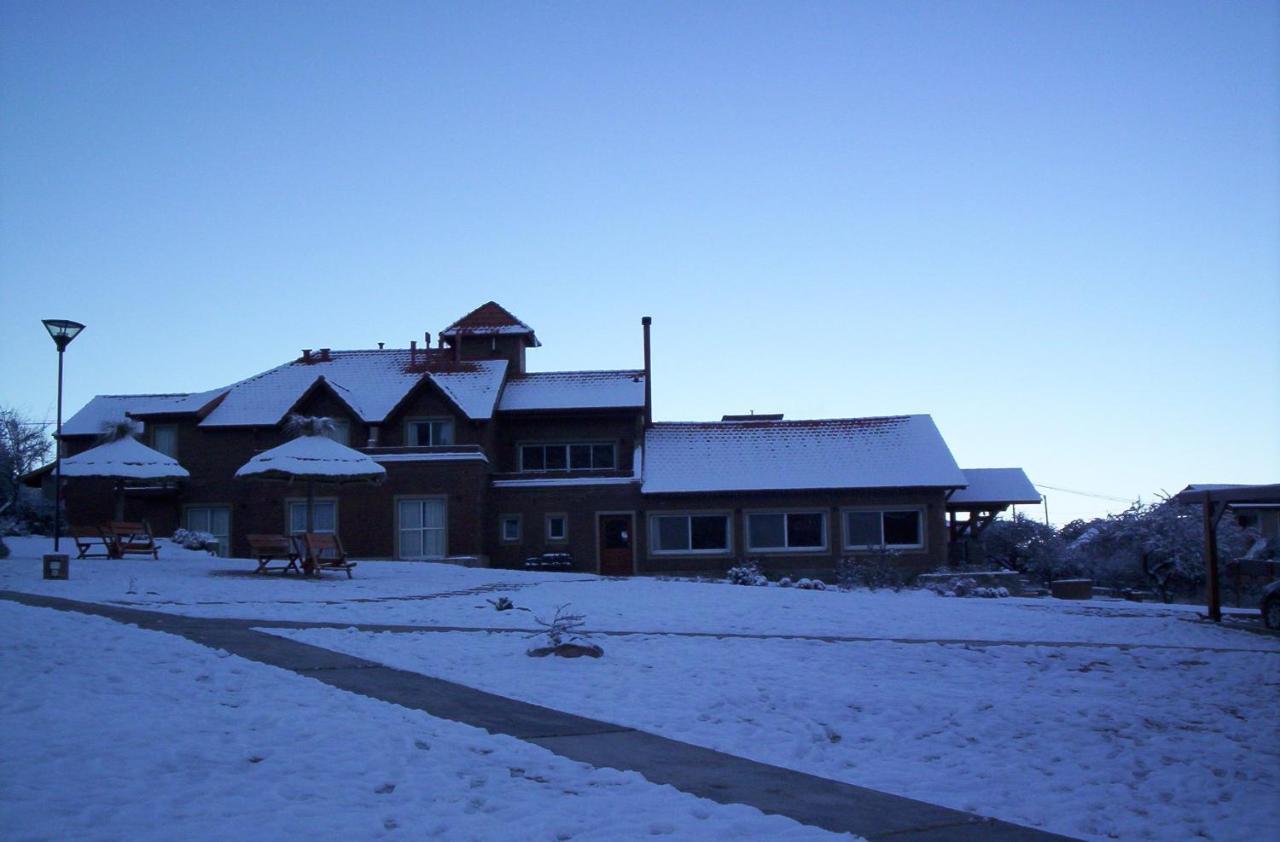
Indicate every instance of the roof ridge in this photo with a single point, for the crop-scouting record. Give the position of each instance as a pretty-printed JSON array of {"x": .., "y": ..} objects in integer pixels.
[
  {"x": 582, "y": 371},
  {"x": 790, "y": 421}
]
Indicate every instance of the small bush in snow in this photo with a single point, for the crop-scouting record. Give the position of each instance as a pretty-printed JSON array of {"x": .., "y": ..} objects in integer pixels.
[
  {"x": 563, "y": 636},
  {"x": 502, "y": 603},
  {"x": 747, "y": 573},
  {"x": 811, "y": 585},
  {"x": 785, "y": 582},
  {"x": 190, "y": 539},
  {"x": 967, "y": 587}
]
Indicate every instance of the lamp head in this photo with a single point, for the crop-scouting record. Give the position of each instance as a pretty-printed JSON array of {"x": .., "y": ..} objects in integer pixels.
[{"x": 62, "y": 331}]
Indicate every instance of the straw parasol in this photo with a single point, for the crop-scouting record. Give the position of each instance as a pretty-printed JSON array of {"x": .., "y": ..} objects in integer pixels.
[
  {"x": 122, "y": 457},
  {"x": 312, "y": 457}
]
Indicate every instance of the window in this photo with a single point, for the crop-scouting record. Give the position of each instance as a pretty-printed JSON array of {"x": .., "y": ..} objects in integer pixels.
[
  {"x": 557, "y": 527},
  {"x": 895, "y": 529},
  {"x": 681, "y": 533},
  {"x": 421, "y": 526},
  {"x": 509, "y": 528},
  {"x": 324, "y": 517},
  {"x": 428, "y": 432},
  {"x": 787, "y": 531},
  {"x": 216, "y": 520},
  {"x": 341, "y": 432},
  {"x": 164, "y": 438},
  {"x": 569, "y": 456}
]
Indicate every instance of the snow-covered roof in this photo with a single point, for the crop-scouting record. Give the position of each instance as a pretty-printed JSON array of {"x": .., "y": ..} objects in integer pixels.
[
  {"x": 573, "y": 390},
  {"x": 312, "y": 457},
  {"x": 105, "y": 409},
  {"x": 999, "y": 486},
  {"x": 491, "y": 319},
  {"x": 125, "y": 458},
  {"x": 896, "y": 451}
]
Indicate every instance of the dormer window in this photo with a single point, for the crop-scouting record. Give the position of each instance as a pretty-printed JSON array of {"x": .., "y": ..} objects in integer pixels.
[
  {"x": 568, "y": 456},
  {"x": 428, "y": 432}
]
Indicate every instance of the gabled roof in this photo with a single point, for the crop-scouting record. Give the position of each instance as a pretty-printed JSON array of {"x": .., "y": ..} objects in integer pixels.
[
  {"x": 103, "y": 409},
  {"x": 891, "y": 452},
  {"x": 995, "y": 486},
  {"x": 573, "y": 390},
  {"x": 371, "y": 383},
  {"x": 491, "y": 319}
]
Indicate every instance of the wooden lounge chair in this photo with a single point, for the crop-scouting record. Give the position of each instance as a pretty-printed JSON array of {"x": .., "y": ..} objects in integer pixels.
[
  {"x": 133, "y": 539},
  {"x": 322, "y": 551},
  {"x": 269, "y": 548},
  {"x": 88, "y": 538}
]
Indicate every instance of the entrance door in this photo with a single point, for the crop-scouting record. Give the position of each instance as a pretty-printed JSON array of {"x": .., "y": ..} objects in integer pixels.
[
  {"x": 616, "y": 536},
  {"x": 421, "y": 527}
]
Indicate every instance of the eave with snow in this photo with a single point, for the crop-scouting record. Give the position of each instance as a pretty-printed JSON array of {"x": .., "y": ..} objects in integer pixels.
[{"x": 485, "y": 459}]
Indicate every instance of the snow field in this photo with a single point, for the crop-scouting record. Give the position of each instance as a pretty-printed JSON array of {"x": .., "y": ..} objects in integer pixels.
[
  {"x": 111, "y": 732},
  {"x": 1094, "y": 743}
]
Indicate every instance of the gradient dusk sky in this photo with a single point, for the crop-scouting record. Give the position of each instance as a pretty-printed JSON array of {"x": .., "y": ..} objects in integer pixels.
[{"x": 1055, "y": 226}]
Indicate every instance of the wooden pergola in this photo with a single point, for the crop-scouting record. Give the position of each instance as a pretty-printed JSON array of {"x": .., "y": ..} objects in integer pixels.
[{"x": 1215, "y": 500}]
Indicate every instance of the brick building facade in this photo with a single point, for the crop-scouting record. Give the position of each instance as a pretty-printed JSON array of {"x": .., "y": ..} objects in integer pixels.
[{"x": 487, "y": 460}]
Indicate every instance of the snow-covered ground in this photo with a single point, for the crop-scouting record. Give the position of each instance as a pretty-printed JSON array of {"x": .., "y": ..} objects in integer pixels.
[
  {"x": 1144, "y": 742},
  {"x": 111, "y": 732}
]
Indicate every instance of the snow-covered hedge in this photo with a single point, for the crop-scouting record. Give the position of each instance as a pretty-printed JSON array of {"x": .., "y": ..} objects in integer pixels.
[
  {"x": 191, "y": 539},
  {"x": 967, "y": 587},
  {"x": 747, "y": 573}
]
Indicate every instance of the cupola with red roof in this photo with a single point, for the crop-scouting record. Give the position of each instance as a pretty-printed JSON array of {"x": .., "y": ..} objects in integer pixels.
[{"x": 490, "y": 332}]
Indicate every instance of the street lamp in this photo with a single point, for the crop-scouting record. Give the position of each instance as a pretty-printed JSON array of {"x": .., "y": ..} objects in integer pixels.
[{"x": 63, "y": 332}]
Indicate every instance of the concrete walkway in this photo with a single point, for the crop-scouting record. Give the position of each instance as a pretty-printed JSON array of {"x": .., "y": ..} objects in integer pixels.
[{"x": 702, "y": 772}]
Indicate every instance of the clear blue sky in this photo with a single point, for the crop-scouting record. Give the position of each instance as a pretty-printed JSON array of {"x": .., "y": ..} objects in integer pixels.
[{"x": 1054, "y": 226}]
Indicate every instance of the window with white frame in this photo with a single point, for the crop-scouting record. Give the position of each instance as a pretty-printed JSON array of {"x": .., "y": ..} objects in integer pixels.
[
  {"x": 428, "y": 432},
  {"x": 894, "y": 529},
  {"x": 324, "y": 517},
  {"x": 689, "y": 533},
  {"x": 509, "y": 528},
  {"x": 568, "y": 456},
  {"x": 557, "y": 527},
  {"x": 341, "y": 432},
  {"x": 422, "y": 527},
  {"x": 164, "y": 438},
  {"x": 782, "y": 531},
  {"x": 215, "y": 520}
]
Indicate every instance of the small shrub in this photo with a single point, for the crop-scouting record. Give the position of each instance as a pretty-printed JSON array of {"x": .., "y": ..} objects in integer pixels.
[
  {"x": 785, "y": 582},
  {"x": 967, "y": 587},
  {"x": 564, "y": 637},
  {"x": 502, "y": 603},
  {"x": 811, "y": 585},
  {"x": 746, "y": 573},
  {"x": 190, "y": 539}
]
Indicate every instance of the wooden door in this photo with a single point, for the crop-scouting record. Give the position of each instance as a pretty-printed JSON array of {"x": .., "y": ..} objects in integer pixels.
[{"x": 617, "y": 538}]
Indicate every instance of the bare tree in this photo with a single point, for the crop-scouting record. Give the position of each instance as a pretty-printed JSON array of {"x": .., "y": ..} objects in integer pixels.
[{"x": 24, "y": 446}]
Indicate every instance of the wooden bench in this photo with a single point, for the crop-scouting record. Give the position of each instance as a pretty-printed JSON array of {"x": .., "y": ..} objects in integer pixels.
[
  {"x": 133, "y": 539},
  {"x": 89, "y": 537},
  {"x": 322, "y": 551},
  {"x": 269, "y": 548}
]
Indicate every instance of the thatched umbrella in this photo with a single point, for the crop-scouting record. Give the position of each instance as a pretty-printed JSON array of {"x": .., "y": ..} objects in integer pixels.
[
  {"x": 312, "y": 457},
  {"x": 122, "y": 457}
]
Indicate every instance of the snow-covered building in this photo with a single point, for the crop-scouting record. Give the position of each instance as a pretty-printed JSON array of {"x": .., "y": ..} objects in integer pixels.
[{"x": 485, "y": 459}]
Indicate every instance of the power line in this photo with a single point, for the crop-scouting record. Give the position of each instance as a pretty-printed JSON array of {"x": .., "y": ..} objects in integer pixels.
[{"x": 1087, "y": 493}]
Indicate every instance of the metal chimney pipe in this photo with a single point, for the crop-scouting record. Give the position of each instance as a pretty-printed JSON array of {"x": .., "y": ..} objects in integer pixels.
[
  {"x": 647, "y": 321},
  {"x": 413, "y": 352}
]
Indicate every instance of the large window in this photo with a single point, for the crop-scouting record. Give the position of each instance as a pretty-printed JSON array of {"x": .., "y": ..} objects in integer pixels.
[
  {"x": 894, "y": 529},
  {"x": 428, "y": 432},
  {"x": 164, "y": 438},
  {"x": 568, "y": 456},
  {"x": 793, "y": 531},
  {"x": 689, "y": 533},
  {"x": 215, "y": 520},
  {"x": 421, "y": 526},
  {"x": 323, "y": 519}
]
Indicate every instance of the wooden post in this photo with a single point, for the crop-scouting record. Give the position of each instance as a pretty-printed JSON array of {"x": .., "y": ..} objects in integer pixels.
[{"x": 1211, "y": 560}]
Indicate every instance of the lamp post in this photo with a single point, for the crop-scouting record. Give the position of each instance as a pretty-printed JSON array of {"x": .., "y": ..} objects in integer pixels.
[{"x": 63, "y": 332}]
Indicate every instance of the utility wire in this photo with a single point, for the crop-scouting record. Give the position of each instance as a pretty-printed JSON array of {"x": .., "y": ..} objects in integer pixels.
[{"x": 1086, "y": 493}]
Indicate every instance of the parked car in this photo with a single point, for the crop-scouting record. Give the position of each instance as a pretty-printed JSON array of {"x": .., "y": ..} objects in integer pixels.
[{"x": 1271, "y": 605}]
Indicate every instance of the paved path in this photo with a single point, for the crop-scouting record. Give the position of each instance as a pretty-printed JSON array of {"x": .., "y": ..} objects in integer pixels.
[{"x": 709, "y": 774}]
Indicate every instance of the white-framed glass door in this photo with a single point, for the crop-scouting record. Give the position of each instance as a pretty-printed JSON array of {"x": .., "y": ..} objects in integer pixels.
[
  {"x": 215, "y": 520},
  {"x": 421, "y": 526}
]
